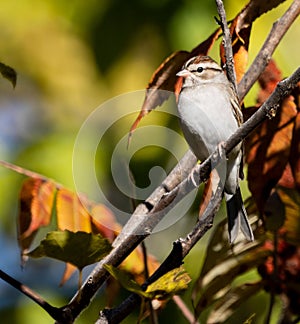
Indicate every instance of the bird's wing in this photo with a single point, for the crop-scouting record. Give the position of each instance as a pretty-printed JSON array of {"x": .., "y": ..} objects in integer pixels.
[{"x": 236, "y": 106}]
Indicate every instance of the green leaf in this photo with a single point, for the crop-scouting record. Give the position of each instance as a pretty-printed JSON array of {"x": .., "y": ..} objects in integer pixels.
[
  {"x": 125, "y": 280},
  {"x": 79, "y": 249},
  {"x": 8, "y": 73},
  {"x": 223, "y": 264},
  {"x": 172, "y": 283}
]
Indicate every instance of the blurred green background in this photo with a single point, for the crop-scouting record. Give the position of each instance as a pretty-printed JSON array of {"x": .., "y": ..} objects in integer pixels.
[{"x": 72, "y": 56}]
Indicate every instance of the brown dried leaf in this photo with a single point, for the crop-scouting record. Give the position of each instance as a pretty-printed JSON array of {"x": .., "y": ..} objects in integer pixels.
[
  {"x": 253, "y": 10},
  {"x": 268, "y": 81},
  {"x": 287, "y": 179},
  {"x": 204, "y": 47},
  {"x": 240, "y": 30},
  {"x": 36, "y": 203},
  {"x": 295, "y": 146},
  {"x": 164, "y": 78},
  {"x": 291, "y": 200},
  {"x": 206, "y": 196},
  {"x": 268, "y": 147},
  {"x": 8, "y": 73},
  {"x": 240, "y": 45},
  {"x": 210, "y": 188}
]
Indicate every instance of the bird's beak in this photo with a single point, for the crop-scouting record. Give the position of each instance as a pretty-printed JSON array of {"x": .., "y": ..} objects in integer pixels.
[{"x": 183, "y": 73}]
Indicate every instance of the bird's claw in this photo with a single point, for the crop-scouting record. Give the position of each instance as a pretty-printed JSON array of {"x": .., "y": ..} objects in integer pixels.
[
  {"x": 191, "y": 177},
  {"x": 219, "y": 155}
]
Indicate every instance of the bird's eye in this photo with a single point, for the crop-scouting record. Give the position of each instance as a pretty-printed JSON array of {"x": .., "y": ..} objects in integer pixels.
[{"x": 200, "y": 69}]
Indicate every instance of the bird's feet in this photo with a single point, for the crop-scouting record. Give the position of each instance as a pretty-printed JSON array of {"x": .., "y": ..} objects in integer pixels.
[
  {"x": 194, "y": 176},
  {"x": 219, "y": 155},
  {"x": 219, "y": 164}
]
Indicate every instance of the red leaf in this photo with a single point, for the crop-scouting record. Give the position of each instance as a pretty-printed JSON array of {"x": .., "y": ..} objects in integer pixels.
[
  {"x": 164, "y": 78},
  {"x": 291, "y": 227},
  {"x": 205, "y": 46},
  {"x": 268, "y": 81},
  {"x": 36, "y": 203},
  {"x": 268, "y": 147},
  {"x": 295, "y": 146},
  {"x": 287, "y": 179},
  {"x": 253, "y": 10},
  {"x": 240, "y": 30}
]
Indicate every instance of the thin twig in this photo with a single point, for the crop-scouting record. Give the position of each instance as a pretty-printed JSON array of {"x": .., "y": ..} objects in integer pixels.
[
  {"x": 153, "y": 314},
  {"x": 23, "y": 171},
  {"x": 185, "y": 310},
  {"x": 227, "y": 45},
  {"x": 51, "y": 310},
  {"x": 275, "y": 278}
]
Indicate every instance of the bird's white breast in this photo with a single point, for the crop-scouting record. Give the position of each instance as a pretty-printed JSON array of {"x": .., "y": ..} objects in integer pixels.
[{"x": 206, "y": 117}]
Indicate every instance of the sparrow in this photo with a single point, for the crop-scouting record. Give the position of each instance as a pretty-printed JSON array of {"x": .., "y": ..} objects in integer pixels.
[{"x": 209, "y": 114}]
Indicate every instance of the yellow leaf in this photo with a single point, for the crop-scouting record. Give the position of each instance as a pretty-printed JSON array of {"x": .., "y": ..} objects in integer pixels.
[{"x": 71, "y": 213}]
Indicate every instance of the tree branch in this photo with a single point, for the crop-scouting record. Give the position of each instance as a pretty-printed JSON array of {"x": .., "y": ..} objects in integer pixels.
[
  {"x": 278, "y": 30},
  {"x": 227, "y": 45},
  {"x": 182, "y": 247},
  {"x": 180, "y": 250},
  {"x": 54, "y": 312},
  {"x": 146, "y": 217},
  {"x": 148, "y": 214}
]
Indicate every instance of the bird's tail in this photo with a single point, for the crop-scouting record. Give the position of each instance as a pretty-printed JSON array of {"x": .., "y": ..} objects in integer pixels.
[{"x": 237, "y": 217}]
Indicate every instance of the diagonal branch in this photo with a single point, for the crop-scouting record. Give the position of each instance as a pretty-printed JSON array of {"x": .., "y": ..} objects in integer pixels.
[
  {"x": 280, "y": 27},
  {"x": 181, "y": 249},
  {"x": 149, "y": 215}
]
